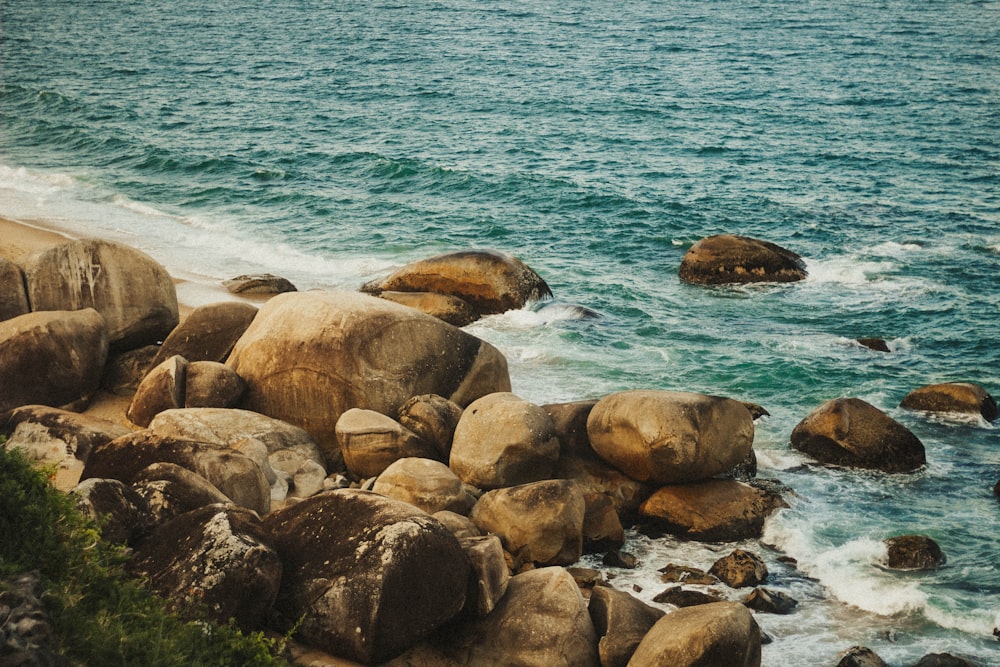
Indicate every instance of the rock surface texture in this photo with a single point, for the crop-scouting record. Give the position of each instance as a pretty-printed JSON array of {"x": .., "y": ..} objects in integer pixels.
[
  {"x": 963, "y": 397},
  {"x": 721, "y": 634}
]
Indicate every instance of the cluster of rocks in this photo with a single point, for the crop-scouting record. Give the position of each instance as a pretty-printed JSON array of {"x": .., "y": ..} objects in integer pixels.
[{"x": 359, "y": 470}]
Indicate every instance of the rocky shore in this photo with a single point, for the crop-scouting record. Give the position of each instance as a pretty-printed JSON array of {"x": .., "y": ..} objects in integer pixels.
[{"x": 353, "y": 468}]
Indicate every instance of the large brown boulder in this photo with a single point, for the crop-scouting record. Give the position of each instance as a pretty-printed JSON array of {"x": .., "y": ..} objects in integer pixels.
[
  {"x": 288, "y": 447},
  {"x": 162, "y": 389},
  {"x": 52, "y": 358},
  {"x": 727, "y": 258},
  {"x": 963, "y": 397},
  {"x": 489, "y": 281},
  {"x": 365, "y": 576},
  {"x": 133, "y": 292},
  {"x": 670, "y": 437},
  {"x": 308, "y": 357},
  {"x": 718, "y": 510},
  {"x": 13, "y": 298},
  {"x": 427, "y": 484},
  {"x": 120, "y": 511},
  {"x": 370, "y": 442},
  {"x": 621, "y": 621},
  {"x": 209, "y": 384},
  {"x": 208, "y": 333},
  {"x": 595, "y": 476},
  {"x": 488, "y": 573},
  {"x": 231, "y": 472},
  {"x": 541, "y": 522},
  {"x": 503, "y": 440},
  {"x": 217, "y": 557},
  {"x": 445, "y": 307},
  {"x": 53, "y": 435},
  {"x": 570, "y": 422},
  {"x": 851, "y": 432},
  {"x": 721, "y": 634}
]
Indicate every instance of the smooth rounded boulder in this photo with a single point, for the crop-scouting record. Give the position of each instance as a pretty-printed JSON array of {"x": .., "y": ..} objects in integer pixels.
[
  {"x": 162, "y": 389},
  {"x": 208, "y": 333},
  {"x": 621, "y": 621},
  {"x": 308, "y": 357},
  {"x": 433, "y": 419},
  {"x": 670, "y": 437},
  {"x": 727, "y": 258},
  {"x": 540, "y": 523},
  {"x": 960, "y": 397},
  {"x": 370, "y": 442},
  {"x": 717, "y": 510},
  {"x": 53, "y": 358},
  {"x": 720, "y": 634},
  {"x": 366, "y": 577},
  {"x": 132, "y": 291},
  {"x": 913, "y": 552},
  {"x": 52, "y": 435},
  {"x": 489, "y": 281},
  {"x": 121, "y": 512},
  {"x": 503, "y": 440},
  {"x": 445, "y": 307},
  {"x": 425, "y": 483},
  {"x": 171, "y": 490},
  {"x": 850, "y": 432}
]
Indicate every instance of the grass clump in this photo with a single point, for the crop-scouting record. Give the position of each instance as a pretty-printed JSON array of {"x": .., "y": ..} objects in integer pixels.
[{"x": 98, "y": 615}]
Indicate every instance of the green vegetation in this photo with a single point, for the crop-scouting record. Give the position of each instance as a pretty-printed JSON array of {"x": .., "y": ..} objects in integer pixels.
[{"x": 98, "y": 615}]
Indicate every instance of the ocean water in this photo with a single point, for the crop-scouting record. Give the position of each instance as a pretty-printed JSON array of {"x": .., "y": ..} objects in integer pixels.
[{"x": 332, "y": 142}]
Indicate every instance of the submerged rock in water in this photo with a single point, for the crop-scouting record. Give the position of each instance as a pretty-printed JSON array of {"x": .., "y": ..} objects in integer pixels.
[
  {"x": 851, "y": 432},
  {"x": 876, "y": 344},
  {"x": 913, "y": 552},
  {"x": 860, "y": 656},
  {"x": 964, "y": 397},
  {"x": 740, "y": 568},
  {"x": 727, "y": 258}
]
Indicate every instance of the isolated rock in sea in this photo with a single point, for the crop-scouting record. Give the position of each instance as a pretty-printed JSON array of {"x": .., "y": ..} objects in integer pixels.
[
  {"x": 208, "y": 333},
  {"x": 427, "y": 484},
  {"x": 260, "y": 284},
  {"x": 447, "y": 308},
  {"x": 851, "y": 432},
  {"x": 133, "y": 292},
  {"x": 217, "y": 557},
  {"x": 13, "y": 298},
  {"x": 859, "y": 656},
  {"x": 52, "y": 358},
  {"x": 621, "y": 621},
  {"x": 722, "y": 633},
  {"x": 713, "y": 511},
  {"x": 877, "y": 344},
  {"x": 370, "y": 442},
  {"x": 963, "y": 397},
  {"x": 233, "y": 473},
  {"x": 171, "y": 490},
  {"x": 488, "y": 573},
  {"x": 308, "y": 357},
  {"x": 210, "y": 384},
  {"x": 125, "y": 369},
  {"x": 433, "y": 419},
  {"x": 943, "y": 660},
  {"x": 670, "y": 437},
  {"x": 503, "y": 440},
  {"x": 52, "y": 435},
  {"x": 489, "y": 281},
  {"x": 913, "y": 552},
  {"x": 365, "y": 577},
  {"x": 161, "y": 389},
  {"x": 740, "y": 568},
  {"x": 122, "y": 513},
  {"x": 570, "y": 422},
  {"x": 540, "y": 522},
  {"x": 770, "y": 602},
  {"x": 288, "y": 447},
  {"x": 679, "y": 596},
  {"x": 684, "y": 574},
  {"x": 738, "y": 259}
]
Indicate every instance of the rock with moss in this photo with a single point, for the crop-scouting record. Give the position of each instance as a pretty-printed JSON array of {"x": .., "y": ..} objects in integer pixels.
[{"x": 365, "y": 577}]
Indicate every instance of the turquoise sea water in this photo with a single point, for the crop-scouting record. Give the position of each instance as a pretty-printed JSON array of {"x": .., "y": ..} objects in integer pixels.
[{"x": 332, "y": 142}]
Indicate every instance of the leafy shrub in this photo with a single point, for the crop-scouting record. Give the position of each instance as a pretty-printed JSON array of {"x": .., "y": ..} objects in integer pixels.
[{"x": 100, "y": 616}]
